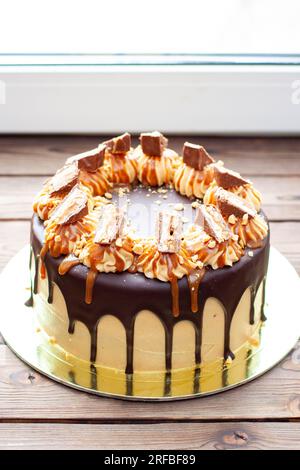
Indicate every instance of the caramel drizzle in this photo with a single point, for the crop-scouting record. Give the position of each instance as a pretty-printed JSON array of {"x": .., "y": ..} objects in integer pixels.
[
  {"x": 118, "y": 168},
  {"x": 90, "y": 281},
  {"x": 67, "y": 264},
  {"x": 134, "y": 266},
  {"x": 251, "y": 234},
  {"x": 149, "y": 172},
  {"x": 43, "y": 253},
  {"x": 96, "y": 256},
  {"x": 194, "y": 281}
]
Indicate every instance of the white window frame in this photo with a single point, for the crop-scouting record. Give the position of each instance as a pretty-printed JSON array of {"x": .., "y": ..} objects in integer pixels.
[{"x": 61, "y": 96}]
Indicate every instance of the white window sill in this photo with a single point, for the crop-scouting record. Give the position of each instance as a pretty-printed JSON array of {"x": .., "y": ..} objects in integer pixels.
[{"x": 200, "y": 99}]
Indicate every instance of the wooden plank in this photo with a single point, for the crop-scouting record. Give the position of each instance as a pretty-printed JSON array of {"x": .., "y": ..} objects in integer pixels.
[
  {"x": 164, "y": 436},
  {"x": 29, "y": 155},
  {"x": 26, "y": 394},
  {"x": 281, "y": 196}
]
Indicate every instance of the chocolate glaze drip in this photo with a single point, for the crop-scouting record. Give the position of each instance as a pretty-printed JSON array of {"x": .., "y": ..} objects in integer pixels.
[{"x": 136, "y": 293}]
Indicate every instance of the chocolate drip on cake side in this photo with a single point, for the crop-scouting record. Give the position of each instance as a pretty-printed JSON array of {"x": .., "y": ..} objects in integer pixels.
[{"x": 136, "y": 293}]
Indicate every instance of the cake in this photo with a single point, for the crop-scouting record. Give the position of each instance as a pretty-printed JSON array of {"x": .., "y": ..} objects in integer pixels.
[{"x": 144, "y": 260}]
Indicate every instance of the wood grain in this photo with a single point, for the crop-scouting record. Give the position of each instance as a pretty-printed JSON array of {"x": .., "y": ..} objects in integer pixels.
[
  {"x": 281, "y": 196},
  {"x": 180, "y": 436},
  {"x": 253, "y": 156},
  {"x": 26, "y": 394}
]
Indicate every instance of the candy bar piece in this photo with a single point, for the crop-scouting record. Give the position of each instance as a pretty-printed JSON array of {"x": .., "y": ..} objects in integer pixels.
[
  {"x": 168, "y": 232},
  {"x": 120, "y": 144},
  {"x": 211, "y": 220},
  {"x": 153, "y": 143},
  {"x": 229, "y": 203},
  {"x": 72, "y": 208},
  {"x": 227, "y": 178},
  {"x": 89, "y": 161},
  {"x": 63, "y": 180},
  {"x": 196, "y": 156},
  {"x": 110, "y": 225}
]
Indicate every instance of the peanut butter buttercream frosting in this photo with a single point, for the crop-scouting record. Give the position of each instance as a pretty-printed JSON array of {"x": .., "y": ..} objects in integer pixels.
[
  {"x": 120, "y": 160},
  {"x": 195, "y": 171}
]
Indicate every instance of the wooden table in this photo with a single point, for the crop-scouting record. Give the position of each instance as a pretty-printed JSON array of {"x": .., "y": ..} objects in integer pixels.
[{"x": 38, "y": 413}]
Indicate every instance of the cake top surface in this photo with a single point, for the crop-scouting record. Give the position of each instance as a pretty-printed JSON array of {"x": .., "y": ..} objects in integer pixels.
[{"x": 149, "y": 210}]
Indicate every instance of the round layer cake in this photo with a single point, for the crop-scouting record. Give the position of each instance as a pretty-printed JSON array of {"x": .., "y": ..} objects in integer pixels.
[{"x": 145, "y": 260}]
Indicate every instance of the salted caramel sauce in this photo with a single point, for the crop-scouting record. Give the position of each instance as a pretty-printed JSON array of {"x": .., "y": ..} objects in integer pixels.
[
  {"x": 68, "y": 263},
  {"x": 97, "y": 253},
  {"x": 194, "y": 281},
  {"x": 172, "y": 262},
  {"x": 134, "y": 266}
]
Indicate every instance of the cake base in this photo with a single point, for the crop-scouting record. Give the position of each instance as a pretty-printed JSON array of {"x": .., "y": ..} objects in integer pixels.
[{"x": 275, "y": 338}]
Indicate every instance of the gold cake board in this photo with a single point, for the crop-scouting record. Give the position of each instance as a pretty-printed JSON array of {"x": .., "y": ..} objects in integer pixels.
[{"x": 275, "y": 338}]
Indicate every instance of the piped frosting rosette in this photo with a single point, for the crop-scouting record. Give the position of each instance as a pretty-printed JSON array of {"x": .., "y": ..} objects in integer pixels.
[
  {"x": 232, "y": 182},
  {"x": 155, "y": 162},
  {"x": 210, "y": 240},
  {"x": 250, "y": 227},
  {"x": 120, "y": 160},
  {"x": 195, "y": 172}
]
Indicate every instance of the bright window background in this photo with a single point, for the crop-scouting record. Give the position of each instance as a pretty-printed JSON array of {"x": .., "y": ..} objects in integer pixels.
[{"x": 156, "y": 26}]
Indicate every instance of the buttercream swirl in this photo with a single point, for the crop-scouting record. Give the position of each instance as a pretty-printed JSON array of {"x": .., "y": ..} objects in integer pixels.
[
  {"x": 97, "y": 182},
  {"x": 246, "y": 192},
  {"x": 156, "y": 171},
  {"x": 190, "y": 182},
  {"x": 112, "y": 258},
  {"x": 163, "y": 266},
  {"x": 217, "y": 255},
  {"x": 122, "y": 168},
  {"x": 251, "y": 231}
]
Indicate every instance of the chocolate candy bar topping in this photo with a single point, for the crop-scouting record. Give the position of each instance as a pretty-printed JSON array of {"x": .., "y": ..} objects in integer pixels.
[
  {"x": 196, "y": 156},
  {"x": 63, "y": 180},
  {"x": 110, "y": 226},
  {"x": 229, "y": 204},
  {"x": 89, "y": 161},
  {"x": 211, "y": 220},
  {"x": 168, "y": 232},
  {"x": 72, "y": 208},
  {"x": 120, "y": 144},
  {"x": 153, "y": 143},
  {"x": 227, "y": 178}
]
